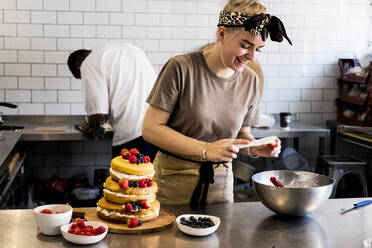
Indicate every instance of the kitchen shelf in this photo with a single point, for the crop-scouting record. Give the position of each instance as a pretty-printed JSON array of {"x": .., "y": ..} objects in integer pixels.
[{"x": 358, "y": 105}]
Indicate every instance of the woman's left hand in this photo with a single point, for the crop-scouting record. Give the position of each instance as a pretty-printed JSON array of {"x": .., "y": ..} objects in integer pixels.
[{"x": 268, "y": 151}]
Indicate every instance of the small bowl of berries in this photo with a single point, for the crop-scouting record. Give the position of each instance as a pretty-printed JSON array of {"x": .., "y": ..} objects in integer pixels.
[
  {"x": 198, "y": 224},
  {"x": 84, "y": 232},
  {"x": 50, "y": 218}
]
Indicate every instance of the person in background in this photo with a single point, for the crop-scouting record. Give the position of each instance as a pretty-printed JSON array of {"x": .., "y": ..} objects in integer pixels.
[
  {"x": 116, "y": 79},
  {"x": 203, "y": 105}
]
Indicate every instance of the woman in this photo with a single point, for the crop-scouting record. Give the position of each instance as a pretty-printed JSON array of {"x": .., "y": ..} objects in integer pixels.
[{"x": 203, "y": 105}]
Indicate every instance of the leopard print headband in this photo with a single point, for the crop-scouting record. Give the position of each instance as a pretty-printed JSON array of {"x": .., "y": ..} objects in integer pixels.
[
  {"x": 238, "y": 19},
  {"x": 257, "y": 24}
]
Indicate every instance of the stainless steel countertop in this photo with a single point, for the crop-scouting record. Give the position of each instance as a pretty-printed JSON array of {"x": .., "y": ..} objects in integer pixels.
[
  {"x": 31, "y": 122},
  {"x": 248, "y": 224},
  {"x": 29, "y": 133},
  {"x": 298, "y": 129}
]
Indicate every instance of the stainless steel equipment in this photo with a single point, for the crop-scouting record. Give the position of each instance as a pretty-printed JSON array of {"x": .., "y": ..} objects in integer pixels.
[{"x": 303, "y": 192}]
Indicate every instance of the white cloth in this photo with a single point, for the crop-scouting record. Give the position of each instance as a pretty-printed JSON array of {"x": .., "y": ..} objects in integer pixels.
[{"x": 116, "y": 80}]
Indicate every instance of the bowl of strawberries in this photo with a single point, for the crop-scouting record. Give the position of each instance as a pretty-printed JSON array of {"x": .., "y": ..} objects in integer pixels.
[
  {"x": 50, "y": 218},
  {"x": 84, "y": 232}
]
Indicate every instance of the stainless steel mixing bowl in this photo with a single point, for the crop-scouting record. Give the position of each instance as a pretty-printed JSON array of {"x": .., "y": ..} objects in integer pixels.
[{"x": 303, "y": 192}]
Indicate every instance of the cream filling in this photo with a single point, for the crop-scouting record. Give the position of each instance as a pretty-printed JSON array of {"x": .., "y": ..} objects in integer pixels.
[
  {"x": 122, "y": 175},
  {"x": 124, "y": 195},
  {"x": 107, "y": 213}
]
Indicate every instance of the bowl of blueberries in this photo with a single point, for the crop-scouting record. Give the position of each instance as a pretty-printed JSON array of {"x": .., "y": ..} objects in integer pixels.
[{"x": 198, "y": 224}]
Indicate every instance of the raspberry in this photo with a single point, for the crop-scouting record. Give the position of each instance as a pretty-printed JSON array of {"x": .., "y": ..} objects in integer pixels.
[
  {"x": 149, "y": 182},
  {"x": 132, "y": 222},
  {"x": 132, "y": 159},
  {"x": 146, "y": 159},
  {"x": 144, "y": 204},
  {"x": 134, "y": 151},
  {"x": 73, "y": 226},
  {"x": 100, "y": 230},
  {"x": 124, "y": 183},
  {"x": 129, "y": 207},
  {"x": 142, "y": 183}
]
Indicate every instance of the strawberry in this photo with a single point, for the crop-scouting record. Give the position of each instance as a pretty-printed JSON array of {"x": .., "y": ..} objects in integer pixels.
[
  {"x": 142, "y": 183},
  {"x": 146, "y": 159},
  {"x": 134, "y": 151},
  {"x": 132, "y": 159},
  {"x": 132, "y": 222},
  {"x": 144, "y": 205},
  {"x": 126, "y": 154},
  {"x": 123, "y": 151},
  {"x": 80, "y": 223},
  {"x": 124, "y": 183},
  {"x": 100, "y": 230},
  {"x": 272, "y": 146},
  {"x": 73, "y": 226},
  {"x": 46, "y": 211},
  {"x": 129, "y": 207},
  {"x": 149, "y": 182}
]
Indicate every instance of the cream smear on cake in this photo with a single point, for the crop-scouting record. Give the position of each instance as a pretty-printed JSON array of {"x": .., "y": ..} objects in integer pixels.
[
  {"x": 107, "y": 213},
  {"x": 127, "y": 196},
  {"x": 122, "y": 175}
]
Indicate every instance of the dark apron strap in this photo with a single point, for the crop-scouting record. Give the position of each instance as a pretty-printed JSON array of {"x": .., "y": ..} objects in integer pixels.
[{"x": 206, "y": 177}]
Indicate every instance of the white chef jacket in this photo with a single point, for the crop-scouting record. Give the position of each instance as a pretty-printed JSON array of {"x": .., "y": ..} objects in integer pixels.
[{"x": 116, "y": 80}]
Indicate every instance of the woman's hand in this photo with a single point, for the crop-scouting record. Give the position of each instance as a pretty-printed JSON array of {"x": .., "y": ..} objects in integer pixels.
[
  {"x": 268, "y": 151},
  {"x": 223, "y": 150}
]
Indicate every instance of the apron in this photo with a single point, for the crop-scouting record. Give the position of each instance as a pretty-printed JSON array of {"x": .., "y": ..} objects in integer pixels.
[{"x": 177, "y": 179}]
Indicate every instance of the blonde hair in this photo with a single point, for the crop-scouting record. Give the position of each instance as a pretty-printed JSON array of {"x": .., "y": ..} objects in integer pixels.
[{"x": 250, "y": 7}]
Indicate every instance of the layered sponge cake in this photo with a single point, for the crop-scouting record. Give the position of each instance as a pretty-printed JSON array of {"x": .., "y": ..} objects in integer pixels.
[{"x": 129, "y": 191}]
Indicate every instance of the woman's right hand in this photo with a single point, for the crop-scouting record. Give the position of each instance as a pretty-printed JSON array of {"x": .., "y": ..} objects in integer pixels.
[{"x": 224, "y": 150}]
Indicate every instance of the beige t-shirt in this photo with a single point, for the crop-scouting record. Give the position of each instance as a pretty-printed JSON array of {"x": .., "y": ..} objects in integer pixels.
[{"x": 202, "y": 105}]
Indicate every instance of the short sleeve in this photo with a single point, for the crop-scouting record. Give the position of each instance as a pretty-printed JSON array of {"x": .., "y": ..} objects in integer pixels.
[
  {"x": 252, "y": 116},
  {"x": 166, "y": 90},
  {"x": 95, "y": 92}
]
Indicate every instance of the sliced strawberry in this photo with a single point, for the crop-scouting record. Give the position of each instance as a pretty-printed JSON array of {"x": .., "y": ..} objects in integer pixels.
[
  {"x": 146, "y": 159},
  {"x": 80, "y": 223},
  {"x": 124, "y": 183},
  {"x": 134, "y": 151},
  {"x": 272, "y": 146},
  {"x": 144, "y": 204},
  {"x": 129, "y": 207},
  {"x": 132, "y": 222},
  {"x": 46, "y": 211},
  {"x": 100, "y": 230}
]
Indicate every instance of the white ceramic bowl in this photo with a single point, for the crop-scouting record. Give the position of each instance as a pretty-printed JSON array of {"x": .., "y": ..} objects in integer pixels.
[
  {"x": 84, "y": 240},
  {"x": 198, "y": 231},
  {"x": 49, "y": 224}
]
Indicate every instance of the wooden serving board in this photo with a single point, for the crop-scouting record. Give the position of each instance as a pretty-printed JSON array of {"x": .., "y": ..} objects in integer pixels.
[{"x": 165, "y": 220}]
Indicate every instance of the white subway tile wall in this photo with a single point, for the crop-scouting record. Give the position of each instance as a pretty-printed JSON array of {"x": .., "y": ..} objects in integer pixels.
[{"x": 38, "y": 35}]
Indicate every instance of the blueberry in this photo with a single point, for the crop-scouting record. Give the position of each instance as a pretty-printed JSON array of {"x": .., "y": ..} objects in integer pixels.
[
  {"x": 139, "y": 222},
  {"x": 193, "y": 219}
]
